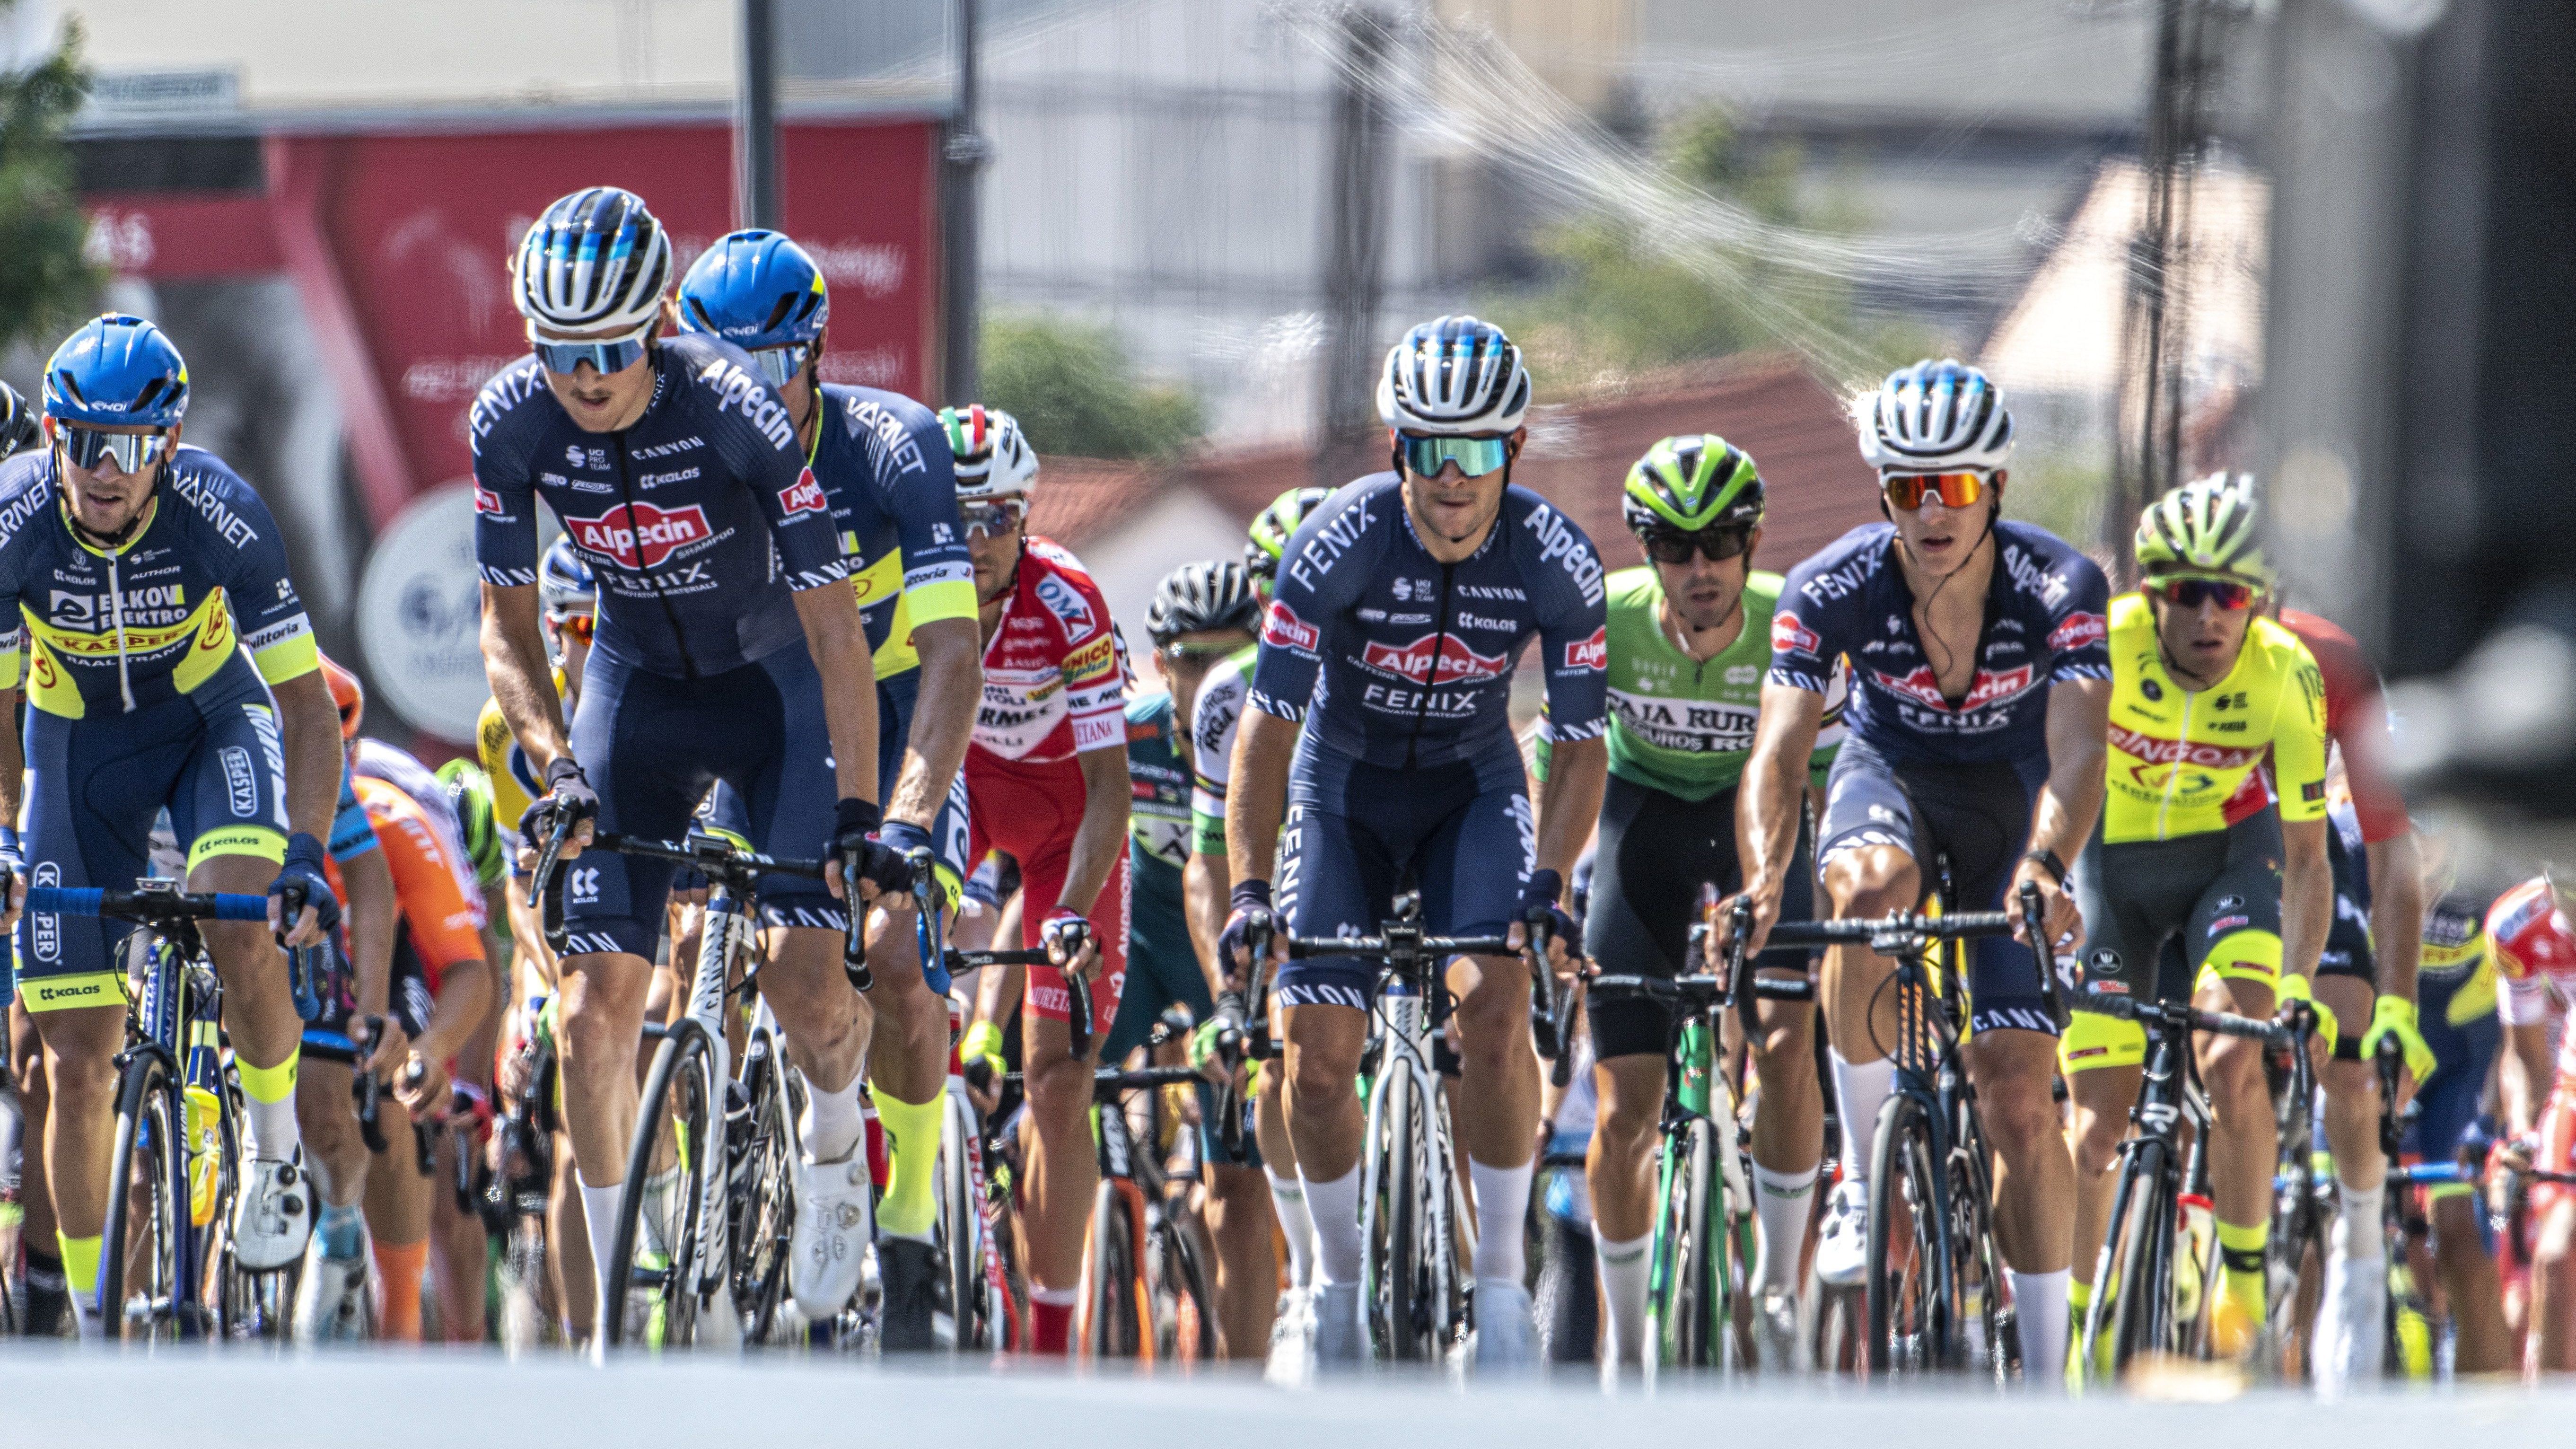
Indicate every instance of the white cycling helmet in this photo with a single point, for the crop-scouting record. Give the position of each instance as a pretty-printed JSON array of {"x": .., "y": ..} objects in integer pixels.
[
  {"x": 595, "y": 260},
  {"x": 1455, "y": 376},
  {"x": 1936, "y": 415},
  {"x": 992, "y": 455}
]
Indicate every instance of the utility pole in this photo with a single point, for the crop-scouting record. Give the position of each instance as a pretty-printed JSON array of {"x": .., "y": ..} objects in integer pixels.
[
  {"x": 963, "y": 153},
  {"x": 2156, "y": 306},
  {"x": 1355, "y": 245},
  {"x": 755, "y": 134}
]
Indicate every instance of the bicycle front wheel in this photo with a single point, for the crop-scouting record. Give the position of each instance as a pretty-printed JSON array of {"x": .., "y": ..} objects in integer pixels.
[
  {"x": 761, "y": 1173},
  {"x": 140, "y": 1292},
  {"x": 1116, "y": 1322},
  {"x": 961, "y": 1227},
  {"x": 1682, "y": 1325},
  {"x": 2138, "y": 1302},
  {"x": 1184, "y": 1299},
  {"x": 1911, "y": 1322},
  {"x": 654, "y": 1273}
]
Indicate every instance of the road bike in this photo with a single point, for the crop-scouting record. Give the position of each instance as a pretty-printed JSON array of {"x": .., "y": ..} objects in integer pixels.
[
  {"x": 168, "y": 1272},
  {"x": 1936, "y": 1291},
  {"x": 2158, "y": 1260}
]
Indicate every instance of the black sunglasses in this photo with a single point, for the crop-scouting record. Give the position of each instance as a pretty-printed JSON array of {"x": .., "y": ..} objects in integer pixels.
[{"x": 1672, "y": 546}]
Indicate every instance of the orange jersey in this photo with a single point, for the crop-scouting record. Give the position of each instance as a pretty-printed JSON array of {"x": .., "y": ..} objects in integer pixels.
[{"x": 440, "y": 908}]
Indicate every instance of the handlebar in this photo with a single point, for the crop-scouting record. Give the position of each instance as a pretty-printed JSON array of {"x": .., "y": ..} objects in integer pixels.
[
  {"x": 2183, "y": 1016},
  {"x": 1078, "y": 1020},
  {"x": 149, "y": 907}
]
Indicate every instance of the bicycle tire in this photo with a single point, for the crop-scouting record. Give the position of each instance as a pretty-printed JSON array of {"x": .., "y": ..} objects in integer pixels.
[
  {"x": 525, "y": 1320},
  {"x": 143, "y": 1221},
  {"x": 961, "y": 1227},
  {"x": 1910, "y": 1330},
  {"x": 1113, "y": 1326},
  {"x": 1693, "y": 1286},
  {"x": 1985, "y": 1330},
  {"x": 1392, "y": 1265},
  {"x": 667, "y": 1316},
  {"x": 2142, "y": 1229},
  {"x": 761, "y": 1190},
  {"x": 1186, "y": 1333},
  {"x": 2294, "y": 1258}
]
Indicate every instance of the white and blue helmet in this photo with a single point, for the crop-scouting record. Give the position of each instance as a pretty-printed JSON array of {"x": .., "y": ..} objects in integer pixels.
[{"x": 1934, "y": 416}]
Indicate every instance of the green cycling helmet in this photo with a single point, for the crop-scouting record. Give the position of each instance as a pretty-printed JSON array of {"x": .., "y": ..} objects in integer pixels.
[
  {"x": 1269, "y": 540},
  {"x": 469, "y": 790},
  {"x": 2206, "y": 528},
  {"x": 1691, "y": 483}
]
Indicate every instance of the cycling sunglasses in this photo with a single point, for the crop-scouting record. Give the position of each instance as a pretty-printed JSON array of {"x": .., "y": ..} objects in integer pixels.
[
  {"x": 1178, "y": 652},
  {"x": 994, "y": 515},
  {"x": 132, "y": 451},
  {"x": 1956, "y": 490},
  {"x": 613, "y": 355},
  {"x": 1672, "y": 546},
  {"x": 2191, "y": 593},
  {"x": 779, "y": 365},
  {"x": 1475, "y": 457}
]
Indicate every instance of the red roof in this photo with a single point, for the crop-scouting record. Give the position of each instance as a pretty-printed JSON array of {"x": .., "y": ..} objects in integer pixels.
[{"x": 1578, "y": 455}]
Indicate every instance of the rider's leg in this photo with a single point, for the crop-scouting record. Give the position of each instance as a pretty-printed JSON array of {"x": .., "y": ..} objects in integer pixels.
[
  {"x": 80, "y": 1116},
  {"x": 1324, "y": 1121},
  {"x": 2014, "y": 1073},
  {"x": 259, "y": 1006},
  {"x": 1865, "y": 880},
  {"x": 1237, "y": 1211},
  {"x": 1621, "y": 1169},
  {"x": 2470, "y": 1283},
  {"x": 333, "y": 1151},
  {"x": 1279, "y": 1165},
  {"x": 602, "y": 1025},
  {"x": 2356, "y": 1258},
  {"x": 2243, "y": 1143},
  {"x": 1497, "y": 1110},
  {"x": 2553, "y": 1278},
  {"x": 47, "y": 1289},
  {"x": 1063, "y": 1169},
  {"x": 2100, "y": 1097},
  {"x": 908, "y": 1068},
  {"x": 568, "y": 1256},
  {"x": 828, "y": 1026},
  {"x": 460, "y": 1251},
  {"x": 398, "y": 1207},
  {"x": 1788, "y": 1136}
]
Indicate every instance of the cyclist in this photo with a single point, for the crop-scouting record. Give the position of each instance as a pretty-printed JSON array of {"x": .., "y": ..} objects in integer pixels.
[
  {"x": 2367, "y": 975},
  {"x": 149, "y": 597},
  {"x": 1047, "y": 775},
  {"x": 884, "y": 465},
  {"x": 728, "y": 646},
  {"x": 2535, "y": 954},
  {"x": 1974, "y": 751},
  {"x": 1214, "y": 719},
  {"x": 1398, "y": 610},
  {"x": 1689, "y": 639},
  {"x": 1201, "y": 613},
  {"x": 2455, "y": 987},
  {"x": 2204, "y": 690}
]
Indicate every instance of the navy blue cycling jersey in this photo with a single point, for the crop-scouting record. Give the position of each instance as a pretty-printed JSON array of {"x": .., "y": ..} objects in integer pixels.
[
  {"x": 884, "y": 464},
  {"x": 698, "y": 520},
  {"x": 1393, "y": 658},
  {"x": 2047, "y": 622},
  {"x": 111, "y": 631}
]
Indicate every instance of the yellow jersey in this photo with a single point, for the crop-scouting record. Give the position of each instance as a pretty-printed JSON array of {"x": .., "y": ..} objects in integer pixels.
[{"x": 2180, "y": 759}]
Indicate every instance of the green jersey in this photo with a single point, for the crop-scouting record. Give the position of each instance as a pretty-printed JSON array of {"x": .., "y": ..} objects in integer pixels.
[{"x": 1681, "y": 725}]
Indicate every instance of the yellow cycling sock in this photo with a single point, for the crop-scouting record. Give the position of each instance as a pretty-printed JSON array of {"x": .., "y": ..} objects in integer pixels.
[
  {"x": 2240, "y": 1248},
  {"x": 80, "y": 1264},
  {"x": 2079, "y": 1299},
  {"x": 912, "y": 1151},
  {"x": 269, "y": 1084}
]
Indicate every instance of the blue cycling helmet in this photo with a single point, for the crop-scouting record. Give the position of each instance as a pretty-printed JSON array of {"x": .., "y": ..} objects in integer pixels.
[
  {"x": 756, "y": 290},
  {"x": 564, "y": 582},
  {"x": 117, "y": 370}
]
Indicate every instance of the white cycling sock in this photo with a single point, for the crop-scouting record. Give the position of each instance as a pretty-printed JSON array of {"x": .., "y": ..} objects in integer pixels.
[
  {"x": 831, "y": 1124},
  {"x": 1623, "y": 1284},
  {"x": 1780, "y": 1202},
  {"x": 269, "y": 1129},
  {"x": 2358, "y": 1235},
  {"x": 1288, "y": 1199},
  {"x": 1502, "y": 1221},
  {"x": 1860, "y": 1089},
  {"x": 1335, "y": 1209},
  {"x": 2039, "y": 1307},
  {"x": 599, "y": 1224}
]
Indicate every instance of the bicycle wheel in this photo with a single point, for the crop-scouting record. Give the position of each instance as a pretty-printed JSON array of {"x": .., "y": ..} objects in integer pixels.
[
  {"x": 960, "y": 1227},
  {"x": 1184, "y": 1298},
  {"x": 1910, "y": 1318},
  {"x": 1115, "y": 1319},
  {"x": 2409, "y": 1333},
  {"x": 140, "y": 1294},
  {"x": 761, "y": 1186},
  {"x": 2294, "y": 1259},
  {"x": 1394, "y": 1226},
  {"x": 1983, "y": 1329},
  {"x": 654, "y": 1274},
  {"x": 2136, "y": 1306},
  {"x": 1681, "y": 1322}
]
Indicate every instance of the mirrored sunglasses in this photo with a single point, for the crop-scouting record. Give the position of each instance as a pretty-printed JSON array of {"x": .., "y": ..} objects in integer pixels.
[
  {"x": 1475, "y": 457},
  {"x": 993, "y": 515},
  {"x": 613, "y": 355},
  {"x": 1956, "y": 490},
  {"x": 86, "y": 447}
]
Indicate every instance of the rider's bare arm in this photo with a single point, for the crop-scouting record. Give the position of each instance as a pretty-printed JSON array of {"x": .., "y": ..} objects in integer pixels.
[
  {"x": 1257, "y": 801},
  {"x": 2079, "y": 722},
  {"x": 514, "y": 663},
  {"x": 1101, "y": 839},
  {"x": 952, "y": 681},
  {"x": 2307, "y": 896},
  {"x": 839, "y": 640},
  {"x": 2397, "y": 912},
  {"x": 2523, "y": 1078},
  {"x": 1569, "y": 804},
  {"x": 1775, "y": 786}
]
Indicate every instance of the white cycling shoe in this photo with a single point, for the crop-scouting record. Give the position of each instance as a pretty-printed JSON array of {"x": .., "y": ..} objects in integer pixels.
[
  {"x": 1842, "y": 1243},
  {"x": 272, "y": 1216},
  {"x": 1779, "y": 1338},
  {"x": 1506, "y": 1334},
  {"x": 830, "y": 1239},
  {"x": 2352, "y": 1322},
  {"x": 1336, "y": 1326},
  {"x": 331, "y": 1298},
  {"x": 1292, "y": 1339}
]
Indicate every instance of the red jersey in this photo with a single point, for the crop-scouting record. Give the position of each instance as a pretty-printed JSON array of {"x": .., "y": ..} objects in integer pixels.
[
  {"x": 1054, "y": 673},
  {"x": 2535, "y": 959},
  {"x": 2357, "y": 722}
]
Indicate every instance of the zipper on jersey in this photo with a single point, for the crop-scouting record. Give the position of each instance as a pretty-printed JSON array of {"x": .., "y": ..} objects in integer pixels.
[
  {"x": 1430, "y": 672},
  {"x": 2173, "y": 771},
  {"x": 116, "y": 612},
  {"x": 626, "y": 491}
]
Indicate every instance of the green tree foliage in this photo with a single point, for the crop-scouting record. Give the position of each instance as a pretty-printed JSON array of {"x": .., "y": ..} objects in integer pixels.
[
  {"x": 1617, "y": 304},
  {"x": 1077, "y": 393},
  {"x": 47, "y": 284}
]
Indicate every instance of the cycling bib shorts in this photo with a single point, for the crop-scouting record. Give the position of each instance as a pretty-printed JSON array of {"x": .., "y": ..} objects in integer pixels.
[{"x": 2214, "y": 897}]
